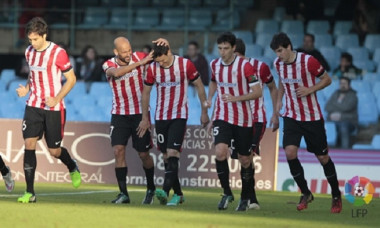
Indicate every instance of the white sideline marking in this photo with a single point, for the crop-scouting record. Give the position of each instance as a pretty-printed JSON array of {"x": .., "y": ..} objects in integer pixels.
[{"x": 68, "y": 193}]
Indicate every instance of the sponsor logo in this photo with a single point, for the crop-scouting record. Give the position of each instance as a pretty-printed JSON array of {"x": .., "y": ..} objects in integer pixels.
[
  {"x": 169, "y": 84},
  {"x": 359, "y": 191},
  {"x": 177, "y": 144},
  {"x": 291, "y": 80},
  {"x": 226, "y": 84},
  {"x": 57, "y": 143},
  {"x": 37, "y": 68}
]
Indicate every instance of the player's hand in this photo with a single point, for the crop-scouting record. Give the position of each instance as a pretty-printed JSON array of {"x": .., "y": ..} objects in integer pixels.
[
  {"x": 303, "y": 91},
  {"x": 143, "y": 127},
  {"x": 161, "y": 42},
  {"x": 207, "y": 104},
  {"x": 274, "y": 122},
  {"x": 147, "y": 58},
  {"x": 51, "y": 101},
  {"x": 228, "y": 98},
  {"x": 204, "y": 119},
  {"x": 22, "y": 91},
  {"x": 209, "y": 128}
]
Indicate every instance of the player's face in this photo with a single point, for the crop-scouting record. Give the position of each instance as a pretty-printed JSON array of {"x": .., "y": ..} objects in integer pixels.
[
  {"x": 163, "y": 60},
  {"x": 284, "y": 54},
  {"x": 37, "y": 41},
  {"x": 226, "y": 51},
  {"x": 124, "y": 53}
]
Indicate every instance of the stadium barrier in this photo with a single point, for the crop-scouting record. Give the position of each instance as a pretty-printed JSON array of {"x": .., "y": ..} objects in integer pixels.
[
  {"x": 89, "y": 144},
  {"x": 348, "y": 164}
]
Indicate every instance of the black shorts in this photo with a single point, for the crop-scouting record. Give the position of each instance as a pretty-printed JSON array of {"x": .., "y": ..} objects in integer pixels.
[
  {"x": 123, "y": 127},
  {"x": 170, "y": 134},
  {"x": 38, "y": 122},
  {"x": 313, "y": 131},
  {"x": 238, "y": 138}
]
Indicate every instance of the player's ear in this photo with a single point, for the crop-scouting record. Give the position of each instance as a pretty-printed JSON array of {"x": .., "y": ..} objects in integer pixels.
[
  {"x": 115, "y": 51},
  {"x": 234, "y": 47}
]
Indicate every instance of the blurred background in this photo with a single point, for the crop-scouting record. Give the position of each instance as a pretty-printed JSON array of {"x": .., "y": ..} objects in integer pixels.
[{"x": 336, "y": 29}]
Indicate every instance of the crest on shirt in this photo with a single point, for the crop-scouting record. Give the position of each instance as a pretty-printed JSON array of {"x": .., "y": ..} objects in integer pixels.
[{"x": 252, "y": 78}]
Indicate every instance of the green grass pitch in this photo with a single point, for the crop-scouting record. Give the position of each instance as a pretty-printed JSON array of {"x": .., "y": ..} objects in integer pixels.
[{"x": 59, "y": 205}]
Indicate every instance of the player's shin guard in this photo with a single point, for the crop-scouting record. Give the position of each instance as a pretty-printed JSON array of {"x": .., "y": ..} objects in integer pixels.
[
  {"x": 66, "y": 159},
  {"x": 121, "y": 177},
  {"x": 246, "y": 179},
  {"x": 296, "y": 170},
  {"x": 253, "y": 192},
  {"x": 330, "y": 172},
  {"x": 176, "y": 185},
  {"x": 171, "y": 174},
  {"x": 3, "y": 168},
  {"x": 149, "y": 174},
  {"x": 30, "y": 164},
  {"x": 224, "y": 175}
]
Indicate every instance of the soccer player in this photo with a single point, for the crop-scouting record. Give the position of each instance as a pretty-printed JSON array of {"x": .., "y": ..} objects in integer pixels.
[
  {"x": 303, "y": 117},
  {"x": 7, "y": 176},
  {"x": 125, "y": 74},
  {"x": 45, "y": 112},
  {"x": 258, "y": 111},
  {"x": 236, "y": 83},
  {"x": 171, "y": 74}
]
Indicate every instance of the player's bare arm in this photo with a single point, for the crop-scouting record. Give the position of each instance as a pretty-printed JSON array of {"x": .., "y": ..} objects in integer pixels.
[
  {"x": 280, "y": 95},
  {"x": 121, "y": 71},
  {"x": 22, "y": 90},
  {"x": 211, "y": 92},
  {"x": 145, "y": 99},
  {"x": 255, "y": 93},
  {"x": 274, "y": 122},
  {"x": 70, "y": 82},
  {"x": 325, "y": 80},
  {"x": 202, "y": 98}
]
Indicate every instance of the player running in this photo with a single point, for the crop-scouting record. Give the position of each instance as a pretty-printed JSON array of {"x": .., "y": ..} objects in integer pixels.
[
  {"x": 45, "y": 112},
  {"x": 259, "y": 112},
  {"x": 303, "y": 117},
  {"x": 7, "y": 176},
  {"x": 125, "y": 74},
  {"x": 171, "y": 74},
  {"x": 236, "y": 83}
]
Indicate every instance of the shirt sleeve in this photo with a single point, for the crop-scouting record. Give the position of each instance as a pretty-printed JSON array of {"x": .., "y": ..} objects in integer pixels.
[
  {"x": 63, "y": 61},
  {"x": 250, "y": 74},
  {"x": 107, "y": 65},
  {"x": 265, "y": 74},
  {"x": 192, "y": 73},
  {"x": 314, "y": 67},
  {"x": 150, "y": 77}
]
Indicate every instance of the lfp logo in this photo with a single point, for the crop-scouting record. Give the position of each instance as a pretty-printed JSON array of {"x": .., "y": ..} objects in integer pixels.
[{"x": 359, "y": 191}]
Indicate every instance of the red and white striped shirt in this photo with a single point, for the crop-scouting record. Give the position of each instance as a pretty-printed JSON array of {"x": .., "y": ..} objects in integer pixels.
[
  {"x": 172, "y": 83},
  {"x": 302, "y": 72},
  {"x": 46, "y": 68},
  {"x": 235, "y": 79},
  {"x": 127, "y": 89},
  {"x": 264, "y": 76}
]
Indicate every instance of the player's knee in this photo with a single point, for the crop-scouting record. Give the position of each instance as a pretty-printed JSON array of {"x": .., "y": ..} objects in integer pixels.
[
  {"x": 55, "y": 152},
  {"x": 30, "y": 143},
  {"x": 323, "y": 159},
  {"x": 144, "y": 156},
  {"x": 119, "y": 151},
  {"x": 245, "y": 161},
  {"x": 221, "y": 151},
  {"x": 172, "y": 153},
  {"x": 291, "y": 152}
]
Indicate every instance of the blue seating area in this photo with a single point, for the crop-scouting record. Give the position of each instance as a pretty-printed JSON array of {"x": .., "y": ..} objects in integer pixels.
[{"x": 163, "y": 15}]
